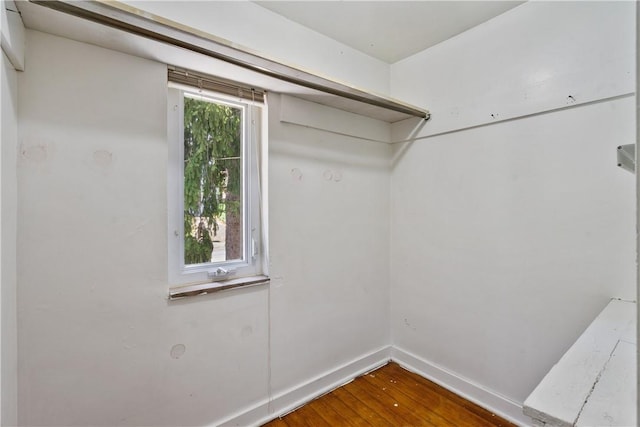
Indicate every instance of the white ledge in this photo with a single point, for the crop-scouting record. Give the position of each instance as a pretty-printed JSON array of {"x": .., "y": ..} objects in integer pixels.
[
  {"x": 594, "y": 383},
  {"x": 247, "y": 66}
]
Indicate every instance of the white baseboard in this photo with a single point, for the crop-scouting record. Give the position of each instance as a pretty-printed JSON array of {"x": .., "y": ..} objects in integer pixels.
[
  {"x": 296, "y": 396},
  {"x": 463, "y": 387},
  {"x": 288, "y": 400}
]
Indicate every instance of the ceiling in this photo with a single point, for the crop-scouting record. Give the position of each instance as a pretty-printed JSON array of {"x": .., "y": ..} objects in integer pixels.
[{"x": 389, "y": 30}]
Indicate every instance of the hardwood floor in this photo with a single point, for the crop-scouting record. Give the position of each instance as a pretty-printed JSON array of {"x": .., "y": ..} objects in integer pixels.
[{"x": 390, "y": 396}]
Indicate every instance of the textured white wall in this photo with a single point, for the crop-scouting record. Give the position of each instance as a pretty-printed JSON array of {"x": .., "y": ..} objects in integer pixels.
[
  {"x": 637, "y": 117},
  {"x": 8, "y": 319},
  {"x": 249, "y": 25},
  {"x": 96, "y": 331},
  {"x": 329, "y": 219},
  {"x": 508, "y": 239},
  {"x": 536, "y": 57}
]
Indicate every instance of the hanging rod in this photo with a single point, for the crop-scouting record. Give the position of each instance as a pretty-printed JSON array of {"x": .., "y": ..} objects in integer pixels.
[{"x": 121, "y": 16}]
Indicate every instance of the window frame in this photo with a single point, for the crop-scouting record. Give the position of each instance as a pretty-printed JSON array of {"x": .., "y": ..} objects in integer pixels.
[{"x": 252, "y": 264}]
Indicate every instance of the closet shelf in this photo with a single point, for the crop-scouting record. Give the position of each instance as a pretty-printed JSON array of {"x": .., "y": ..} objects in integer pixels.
[{"x": 134, "y": 31}]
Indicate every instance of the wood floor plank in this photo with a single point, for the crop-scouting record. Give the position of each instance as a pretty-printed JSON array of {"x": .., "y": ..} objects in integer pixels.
[
  {"x": 305, "y": 416},
  {"x": 399, "y": 412},
  {"x": 316, "y": 417},
  {"x": 330, "y": 415},
  {"x": 449, "y": 412},
  {"x": 488, "y": 416},
  {"x": 355, "y": 419},
  {"x": 389, "y": 417},
  {"x": 370, "y": 415},
  {"x": 390, "y": 396},
  {"x": 424, "y": 406}
]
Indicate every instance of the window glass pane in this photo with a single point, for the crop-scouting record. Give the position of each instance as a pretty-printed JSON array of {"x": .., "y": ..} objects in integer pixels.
[{"x": 213, "y": 211}]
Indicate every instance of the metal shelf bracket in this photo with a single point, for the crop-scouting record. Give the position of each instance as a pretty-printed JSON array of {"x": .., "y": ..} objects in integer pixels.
[{"x": 627, "y": 157}]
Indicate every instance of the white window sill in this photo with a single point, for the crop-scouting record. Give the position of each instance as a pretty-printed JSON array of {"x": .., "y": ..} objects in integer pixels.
[{"x": 211, "y": 287}]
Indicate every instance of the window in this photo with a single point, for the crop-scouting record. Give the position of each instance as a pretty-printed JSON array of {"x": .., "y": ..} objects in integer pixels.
[{"x": 215, "y": 230}]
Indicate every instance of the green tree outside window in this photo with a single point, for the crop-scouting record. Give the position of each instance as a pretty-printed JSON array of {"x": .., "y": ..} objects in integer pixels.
[{"x": 212, "y": 181}]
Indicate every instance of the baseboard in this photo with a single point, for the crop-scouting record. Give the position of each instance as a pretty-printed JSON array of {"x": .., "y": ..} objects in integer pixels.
[
  {"x": 296, "y": 396},
  {"x": 288, "y": 400},
  {"x": 476, "y": 393}
]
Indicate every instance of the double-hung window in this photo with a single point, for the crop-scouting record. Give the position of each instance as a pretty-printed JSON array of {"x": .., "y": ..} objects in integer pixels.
[{"x": 214, "y": 185}]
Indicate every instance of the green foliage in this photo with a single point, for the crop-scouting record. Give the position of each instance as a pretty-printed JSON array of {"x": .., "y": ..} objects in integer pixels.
[
  {"x": 198, "y": 248},
  {"x": 212, "y": 170}
]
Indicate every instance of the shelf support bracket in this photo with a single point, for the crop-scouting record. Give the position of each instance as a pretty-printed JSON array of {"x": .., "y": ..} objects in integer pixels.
[{"x": 627, "y": 157}]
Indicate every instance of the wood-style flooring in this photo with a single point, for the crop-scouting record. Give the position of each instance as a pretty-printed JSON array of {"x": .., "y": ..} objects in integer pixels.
[{"x": 390, "y": 396}]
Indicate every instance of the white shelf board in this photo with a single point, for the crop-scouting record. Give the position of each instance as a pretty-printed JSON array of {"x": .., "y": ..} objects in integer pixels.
[
  {"x": 263, "y": 74},
  {"x": 596, "y": 369}
]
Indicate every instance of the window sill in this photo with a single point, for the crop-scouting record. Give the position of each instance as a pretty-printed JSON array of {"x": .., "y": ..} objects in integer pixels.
[{"x": 211, "y": 287}]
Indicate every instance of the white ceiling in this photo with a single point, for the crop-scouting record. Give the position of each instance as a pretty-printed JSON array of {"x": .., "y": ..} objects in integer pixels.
[{"x": 389, "y": 30}]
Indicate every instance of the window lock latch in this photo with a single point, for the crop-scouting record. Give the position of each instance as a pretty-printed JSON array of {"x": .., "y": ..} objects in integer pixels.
[{"x": 219, "y": 273}]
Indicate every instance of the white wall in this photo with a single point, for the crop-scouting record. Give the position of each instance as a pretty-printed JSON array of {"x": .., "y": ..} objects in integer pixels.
[
  {"x": 537, "y": 57},
  {"x": 251, "y": 26},
  {"x": 96, "y": 330},
  {"x": 329, "y": 232},
  {"x": 508, "y": 239},
  {"x": 8, "y": 222}
]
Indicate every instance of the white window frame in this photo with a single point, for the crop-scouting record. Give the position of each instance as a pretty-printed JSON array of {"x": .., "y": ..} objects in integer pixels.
[{"x": 254, "y": 244}]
